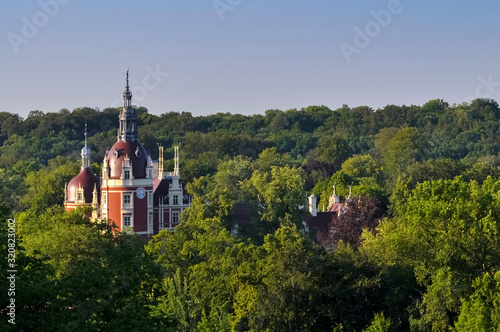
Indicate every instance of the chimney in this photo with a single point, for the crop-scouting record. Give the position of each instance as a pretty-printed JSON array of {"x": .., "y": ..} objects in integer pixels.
[{"x": 312, "y": 206}]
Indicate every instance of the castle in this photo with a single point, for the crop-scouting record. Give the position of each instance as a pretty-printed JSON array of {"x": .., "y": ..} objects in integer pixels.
[{"x": 134, "y": 192}]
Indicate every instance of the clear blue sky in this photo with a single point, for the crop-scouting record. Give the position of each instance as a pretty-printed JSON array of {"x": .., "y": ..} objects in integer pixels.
[{"x": 262, "y": 55}]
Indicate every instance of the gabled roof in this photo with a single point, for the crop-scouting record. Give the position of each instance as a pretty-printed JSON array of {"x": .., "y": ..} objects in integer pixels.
[
  {"x": 162, "y": 187},
  {"x": 337, "y": 207},
  {"x": 320, "y": 222}
]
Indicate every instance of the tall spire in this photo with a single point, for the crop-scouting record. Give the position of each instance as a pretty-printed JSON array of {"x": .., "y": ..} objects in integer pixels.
[
  {"x": 160, "y": 161},
  {"x": 128, "y": 118},
  {"x": 127, "y": 95},
  {"x": 176, "y": 161},
  {"x": 85, "y": 151}
]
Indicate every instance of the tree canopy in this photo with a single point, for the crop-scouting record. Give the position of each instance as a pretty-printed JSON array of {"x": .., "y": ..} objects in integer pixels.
[{"x": 416, "y": 248}]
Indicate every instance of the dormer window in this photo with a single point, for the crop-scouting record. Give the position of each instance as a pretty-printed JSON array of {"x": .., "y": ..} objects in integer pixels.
[
  {"x": 80, "y": 196},
  {"x": 176, "y": 200},
  {"x": 126, "y": 175}
]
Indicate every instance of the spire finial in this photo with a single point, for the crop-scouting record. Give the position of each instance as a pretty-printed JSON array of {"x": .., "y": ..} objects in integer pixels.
[
  {"x": 128, "y": 118},
  {"x": 160, "y": 161},
  {"x": 334, "y": 190},
  {"x": 176, "y": 160},
  {"x": 85, "y": 151},
  {"x": 85, "y": 133}
]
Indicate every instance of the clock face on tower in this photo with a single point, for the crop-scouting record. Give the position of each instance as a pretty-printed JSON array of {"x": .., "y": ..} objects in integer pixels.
[{"x": 141, "y": 193}]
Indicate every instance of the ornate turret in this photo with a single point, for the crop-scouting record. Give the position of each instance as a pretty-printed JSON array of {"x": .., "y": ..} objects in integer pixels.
[
  {"x": 127, "y": 154},
  {"x": 176, "y": 184},
  {"x": 128, "y": 118},
  {"x": 79, "y": 191},
  {"x": 85, "y": 151},
  {"x": 334, "y": 199},
  {"x": 176, "y": 161},
  {"x": 160, "y": 161},
  {"x": 127, "y": 184}
]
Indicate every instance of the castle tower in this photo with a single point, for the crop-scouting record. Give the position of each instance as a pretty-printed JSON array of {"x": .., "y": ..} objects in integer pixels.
[
  {"x": 84, "y": 188},
  {"x": 127, "y": 176}
]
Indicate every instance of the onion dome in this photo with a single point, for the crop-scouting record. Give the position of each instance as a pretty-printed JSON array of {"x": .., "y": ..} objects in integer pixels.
[
  {"x": 80, "y": 188},
  {"x": 123, "y": 151}
]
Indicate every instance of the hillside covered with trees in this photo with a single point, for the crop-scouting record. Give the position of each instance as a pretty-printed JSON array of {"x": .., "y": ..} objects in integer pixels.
[{"x": 419, "y": 251}]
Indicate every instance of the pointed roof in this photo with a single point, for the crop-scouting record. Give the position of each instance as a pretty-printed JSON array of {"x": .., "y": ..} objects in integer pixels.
[
  {"x": 128, "y": 118},
  {"x": 85, "y": 151}
]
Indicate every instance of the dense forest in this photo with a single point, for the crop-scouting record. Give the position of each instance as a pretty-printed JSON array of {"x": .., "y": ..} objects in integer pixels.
[{"x": 418, "y": 251}]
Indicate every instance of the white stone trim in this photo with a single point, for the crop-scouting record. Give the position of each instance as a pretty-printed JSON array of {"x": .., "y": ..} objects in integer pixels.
[
  {"x": 129, "y": 206},
  {"x": 150, "y": 223},
  {"x": 129, "y": 183},
  {"x": 131, "y": 220}
]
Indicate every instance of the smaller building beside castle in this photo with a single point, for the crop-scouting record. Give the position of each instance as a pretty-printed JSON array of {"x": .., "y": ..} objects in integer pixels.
[{"x": 320, "y": 221}]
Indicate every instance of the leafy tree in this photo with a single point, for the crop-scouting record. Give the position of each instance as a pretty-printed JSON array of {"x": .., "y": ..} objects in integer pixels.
[
  {"x": 380, "y": 324},
  {"x": 405, "y": 148},
  {"x": 481, "y": 311},
  {"x": 201, "y": 257},
  {"x": 205, "y": 164},
  {"x": 215, "y": 196},
  {"x": 270, "y": 157},
  {"x": 382, "y": 140},
  {"x": 445, "y": 231},
  {"x": 279, "y": 195},
  {"x": 34, "y": 290},
  {"x": 333, "y": 150},
  {"x": 174, "y": 308},
  {"x": 86, "y": 258},
  {"x": 46, "y": 187},
  {"x": 360, "y": 166},
  {"x": 431, "y": 266},
  {"x": 284, "y": 293}
]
